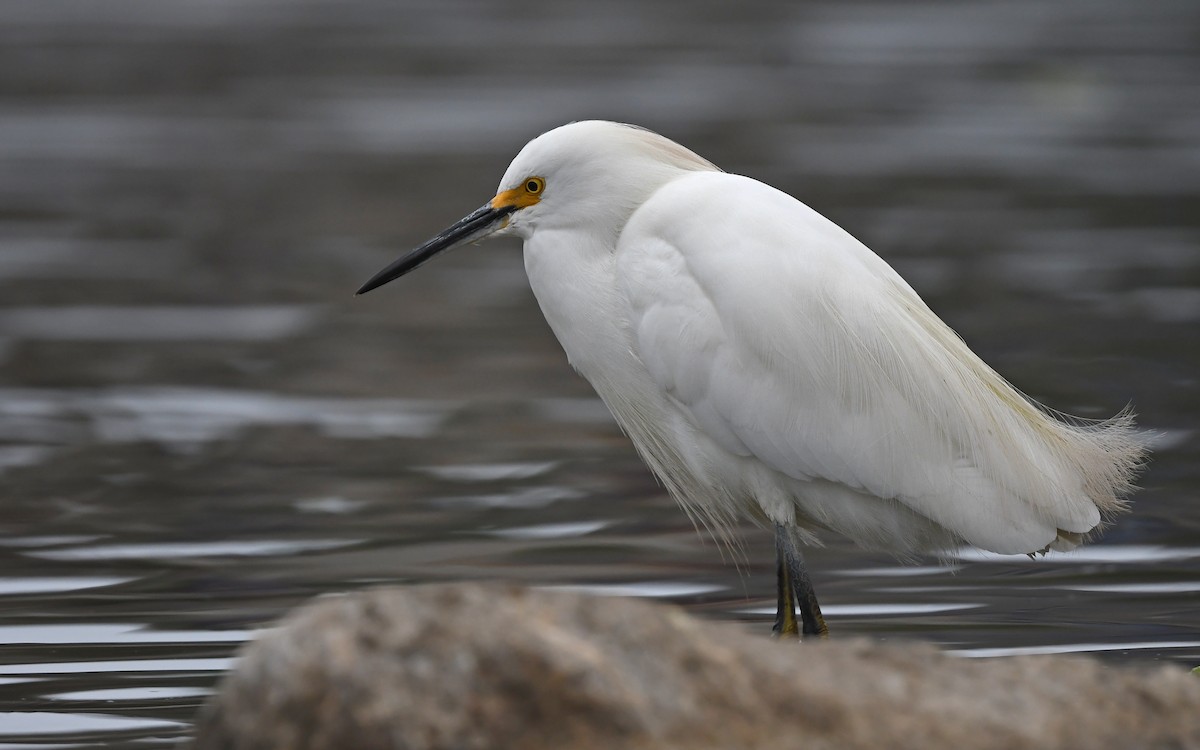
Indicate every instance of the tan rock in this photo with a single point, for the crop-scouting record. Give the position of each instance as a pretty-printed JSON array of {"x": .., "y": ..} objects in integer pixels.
[{"x": 468, "y": 667}]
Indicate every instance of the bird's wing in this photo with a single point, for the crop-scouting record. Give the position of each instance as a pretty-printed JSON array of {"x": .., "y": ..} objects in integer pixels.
[{"x": 784, "y": 338}]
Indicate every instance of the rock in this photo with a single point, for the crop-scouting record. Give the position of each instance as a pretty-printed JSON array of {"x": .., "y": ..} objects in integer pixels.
[{"x": 468, "y": 667}]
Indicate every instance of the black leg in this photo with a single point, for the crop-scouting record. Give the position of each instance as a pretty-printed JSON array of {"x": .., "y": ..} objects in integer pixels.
[
  {"x": 786, "y": 625},
  {"x": 795, "y": 590}
]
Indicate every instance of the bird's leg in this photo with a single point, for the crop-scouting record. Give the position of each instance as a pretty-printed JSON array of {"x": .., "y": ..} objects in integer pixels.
[
  {"x": 795, "y": 589},
  {"x": 785, "y": 611}
]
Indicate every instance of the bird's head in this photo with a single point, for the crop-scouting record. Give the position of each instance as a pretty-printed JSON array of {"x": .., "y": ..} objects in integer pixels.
[{"x": 586, "y": 176}]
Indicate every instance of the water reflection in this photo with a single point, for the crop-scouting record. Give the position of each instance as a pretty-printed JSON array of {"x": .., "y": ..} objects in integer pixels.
[
  {"x": 118, "y": 667},
  {"x": 644, "y": 589},
  {"x": 131, "y": 694},
  {"x": 51, "y": 723},
  {"x": 1076, "y": 648},
  {"x": 111, "y": 633},
  {"x": 185, "y": 416},
  {"x": 1097, "y": 553},
  {"x": 874, "y": 610},
  {"x": 18, "y": 586},
  {"x": 551, "y": 530},
  {"x": 490, "y": 472},
  {"x": 113, "y": 323},
  {"x": 525, "y": 497},
  {"x": 168, "y": 550}
]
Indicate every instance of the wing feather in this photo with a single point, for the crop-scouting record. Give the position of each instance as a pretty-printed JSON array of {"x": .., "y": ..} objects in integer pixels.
[{"x": 783, "y": 338}]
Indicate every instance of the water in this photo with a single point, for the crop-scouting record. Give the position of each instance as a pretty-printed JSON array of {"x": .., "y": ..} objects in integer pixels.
[{"x": 200, "y": 428}]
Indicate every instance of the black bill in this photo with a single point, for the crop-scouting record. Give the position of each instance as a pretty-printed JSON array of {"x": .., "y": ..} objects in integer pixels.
[{"x": 476, "y": 225}]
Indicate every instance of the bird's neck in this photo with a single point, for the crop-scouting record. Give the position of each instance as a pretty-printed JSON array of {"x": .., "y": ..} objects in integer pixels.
[{"x": 572, "y": 275}]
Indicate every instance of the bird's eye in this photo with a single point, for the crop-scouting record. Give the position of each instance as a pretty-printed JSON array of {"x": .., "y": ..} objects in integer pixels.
[{"x": 535, "y": 185}]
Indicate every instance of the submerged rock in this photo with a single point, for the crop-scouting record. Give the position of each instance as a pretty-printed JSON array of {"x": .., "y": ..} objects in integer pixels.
[{"x": 470, "y": 666}]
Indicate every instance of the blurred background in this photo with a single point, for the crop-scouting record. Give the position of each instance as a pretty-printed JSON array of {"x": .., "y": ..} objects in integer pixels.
[{"x": 200, "y": 427}]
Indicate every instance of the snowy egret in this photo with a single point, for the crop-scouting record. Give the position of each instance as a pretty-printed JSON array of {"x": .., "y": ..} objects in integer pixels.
[{"x": 765, "y": 363}]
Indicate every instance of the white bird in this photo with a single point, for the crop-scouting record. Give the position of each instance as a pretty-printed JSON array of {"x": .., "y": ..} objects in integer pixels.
[{"x": 767, "y": 364}]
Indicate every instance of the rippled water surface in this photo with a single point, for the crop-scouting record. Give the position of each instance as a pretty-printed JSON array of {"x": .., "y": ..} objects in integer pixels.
[{"x": 200, "y": 427}]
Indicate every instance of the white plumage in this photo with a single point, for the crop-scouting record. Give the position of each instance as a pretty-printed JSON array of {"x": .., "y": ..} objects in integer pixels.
[{"x": 766, "y": 363}]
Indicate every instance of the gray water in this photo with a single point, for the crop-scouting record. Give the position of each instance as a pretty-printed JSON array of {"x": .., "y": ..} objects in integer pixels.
[{"x": 200, "y": 428}]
